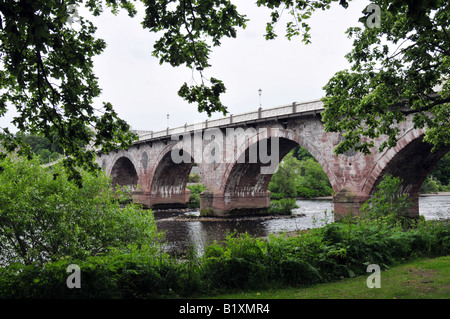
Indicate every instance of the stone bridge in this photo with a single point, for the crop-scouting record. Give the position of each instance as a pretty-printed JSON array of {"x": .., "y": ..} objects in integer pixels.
[{"x": 237, "y": 156}]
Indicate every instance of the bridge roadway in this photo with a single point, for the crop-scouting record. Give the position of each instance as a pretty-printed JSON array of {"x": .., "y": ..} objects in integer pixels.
[{"x": 157, "y": 166}]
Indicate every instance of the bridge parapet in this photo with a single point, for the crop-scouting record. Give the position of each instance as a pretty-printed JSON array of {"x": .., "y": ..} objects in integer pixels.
[{"x": 291, "y": 110}]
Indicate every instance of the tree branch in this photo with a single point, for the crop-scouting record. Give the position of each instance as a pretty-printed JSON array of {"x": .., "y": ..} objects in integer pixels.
[{"x": 425, "y": 108}]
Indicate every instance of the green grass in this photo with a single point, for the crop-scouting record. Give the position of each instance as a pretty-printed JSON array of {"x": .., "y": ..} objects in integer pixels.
[{"x": 420, "y": 279}]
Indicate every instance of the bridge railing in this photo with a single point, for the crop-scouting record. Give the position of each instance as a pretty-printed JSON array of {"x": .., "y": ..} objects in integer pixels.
[{"x": 285, "y": 110}]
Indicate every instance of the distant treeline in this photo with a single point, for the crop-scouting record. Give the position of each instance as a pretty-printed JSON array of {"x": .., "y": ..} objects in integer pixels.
[
  {"x": 46, "y": 150},
  {"x": 439, "y": 178}
]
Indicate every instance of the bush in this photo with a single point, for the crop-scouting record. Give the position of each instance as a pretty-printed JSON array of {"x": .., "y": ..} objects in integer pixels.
[
  {"x": 430, "y": 186},
  {"x": 276, "y": 196},
  {"x": 137, "y": 273},
  {"x": 194, "y": 198},
  {"x": 240, "y": 263},
  {"x": 324, "y": 254},
  {"x": 194, "y": 201},
  {"x": 283, "y": 206},
  {"x": 313, "y": 181},
  {"x": 388, "y": 202},
  {"x": 194, "y": 178},
  {"x": 196, "y": 189},
  {"x": 295, "y": 178},
  {"x": 45, "y": 217}
]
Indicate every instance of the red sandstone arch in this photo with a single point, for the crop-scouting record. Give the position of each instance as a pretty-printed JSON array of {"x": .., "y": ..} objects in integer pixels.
[
  {"x": 254, "y": 180},
  {"x": 123, "y": 173},
  {"x": 169, "y": 179},
  {"x": 411, "y": 160}
]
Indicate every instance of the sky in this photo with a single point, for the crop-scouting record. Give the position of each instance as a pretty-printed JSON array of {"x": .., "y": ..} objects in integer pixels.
[{"x": 143, "y": 92}]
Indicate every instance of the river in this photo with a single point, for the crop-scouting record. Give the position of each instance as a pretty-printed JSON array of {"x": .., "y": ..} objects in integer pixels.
[{"x": 182, "y": 232}]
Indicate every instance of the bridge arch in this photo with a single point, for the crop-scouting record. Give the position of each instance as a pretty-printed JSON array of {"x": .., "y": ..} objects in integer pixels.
[
  {"x": 169, "y": 178},
  {"x": 288, "y": 139},
  {"x": 411, "y": 160},
  {"x": 244, "y": 188},
  {"x": 123, "y": 172}
]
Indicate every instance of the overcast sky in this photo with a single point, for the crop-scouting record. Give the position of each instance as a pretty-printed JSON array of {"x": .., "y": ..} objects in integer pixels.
[{"x": 143, "y": 92}]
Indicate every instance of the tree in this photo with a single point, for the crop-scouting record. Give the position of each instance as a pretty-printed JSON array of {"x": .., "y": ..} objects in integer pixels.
[
  {"x": 312, "y": 181},
  {"x": 399, "y": 68},
  {"x": 299, "y": 178},
  {"x": 301, "y": 153},
  {"x": 46, "y": 73},
  {"x": 42, "y": 147},
  {"x": 45, "y": 217},
  {"x": 442, "y": 170},
  {"x": 429, "y": 186},
  {"x": 283, "y": 182}
]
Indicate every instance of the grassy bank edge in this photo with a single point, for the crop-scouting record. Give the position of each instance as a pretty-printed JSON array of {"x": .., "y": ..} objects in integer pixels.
[{"x": 424, "y": 278}]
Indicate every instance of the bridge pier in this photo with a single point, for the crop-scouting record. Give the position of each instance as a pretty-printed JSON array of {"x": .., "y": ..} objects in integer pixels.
[
  {"x": 220, "y": 205},
  {"x": 142, "y": 198},
  {"x": 172, "y": 200},
  {"x": 414, "y": 209},
  {"x": 347, "y": 203}
]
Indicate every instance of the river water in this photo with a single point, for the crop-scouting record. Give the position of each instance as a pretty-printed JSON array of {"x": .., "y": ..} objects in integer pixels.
[{"x": 183, "y": 232}]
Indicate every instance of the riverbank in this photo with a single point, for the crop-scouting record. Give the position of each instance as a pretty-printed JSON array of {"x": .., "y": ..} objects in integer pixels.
[
  {"x": 182, "y": 233},
  {"x": 427, "y": 278},
  {"x": 239, "y": 263},
  {"x": 197, "y": 218},
  {"x": 435, "y": 194},
  {"x": 331, "y": 197}
]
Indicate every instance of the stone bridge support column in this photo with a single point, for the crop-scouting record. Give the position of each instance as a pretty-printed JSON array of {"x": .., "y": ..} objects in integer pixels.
[
  {"x": 172, "y": 200},
  {"x": 347, "y": 203},
  {"x": 162, "y": 201},
  {"x": 219, "y": 204},
  {"x": 141, "y": 197}
]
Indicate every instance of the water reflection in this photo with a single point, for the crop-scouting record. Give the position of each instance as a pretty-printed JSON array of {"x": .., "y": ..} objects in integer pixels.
[
  {"x": 185, "y": 234},
  {"x": 182, "y": 235}
]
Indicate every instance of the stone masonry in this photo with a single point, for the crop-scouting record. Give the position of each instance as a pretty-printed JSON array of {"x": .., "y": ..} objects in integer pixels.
[{"x": 157, "y": 166}]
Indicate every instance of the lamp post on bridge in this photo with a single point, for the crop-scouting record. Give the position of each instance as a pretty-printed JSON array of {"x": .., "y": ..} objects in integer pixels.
[
  {"x": 260, "y": 107},
  {"x": 260, "y": 92},
  {"x": 167, "y": 130}
]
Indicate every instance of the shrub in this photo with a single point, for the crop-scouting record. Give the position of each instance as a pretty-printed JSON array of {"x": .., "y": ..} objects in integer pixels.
[
  {"x": 45, "y": 217},
  {"x": 194, "y": 201},
  {"x": 238, "y": 264},
  {"x": 429, "y": 186},
  {"x": 196, "y": 189},
  {"x": 283, "y": 206},
  {"x": 324, "y": 254},
  {"x": 137, "y": 273},
  {"x": 388, "y": 202},
  {"x": 295, "y": 178},
  {"x": 194, "y": 178},
  {"x": 194, "y": 198},
  {"x": 276, "y": 196}
]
